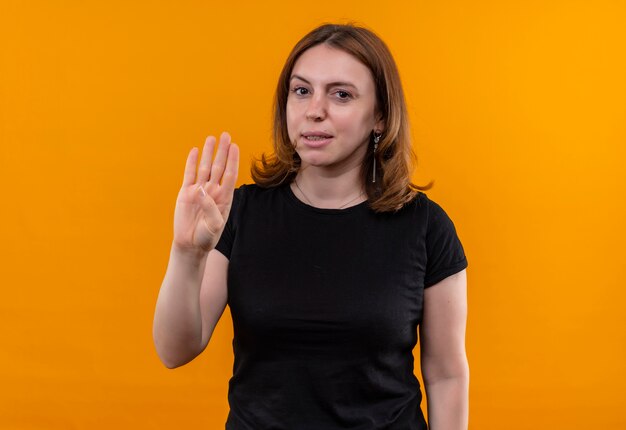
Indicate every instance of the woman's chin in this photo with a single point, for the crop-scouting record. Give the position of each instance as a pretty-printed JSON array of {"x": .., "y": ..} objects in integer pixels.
[{"x": 316, "y": 163}]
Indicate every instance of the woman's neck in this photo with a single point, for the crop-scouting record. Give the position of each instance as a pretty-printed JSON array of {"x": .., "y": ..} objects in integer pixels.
[{"x": 329, "y": 190}]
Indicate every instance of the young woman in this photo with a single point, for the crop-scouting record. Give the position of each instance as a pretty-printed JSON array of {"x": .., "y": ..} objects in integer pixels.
[{"x": 330, "y": 263}]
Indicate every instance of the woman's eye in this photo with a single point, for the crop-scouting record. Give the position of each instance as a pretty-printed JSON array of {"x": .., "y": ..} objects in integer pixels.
[
  {"x": 300, "y": 91},
  {"x": 343, "y": 95}
]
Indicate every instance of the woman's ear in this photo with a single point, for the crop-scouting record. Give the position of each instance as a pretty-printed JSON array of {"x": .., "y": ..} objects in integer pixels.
[{"x": 379, "y": 127}]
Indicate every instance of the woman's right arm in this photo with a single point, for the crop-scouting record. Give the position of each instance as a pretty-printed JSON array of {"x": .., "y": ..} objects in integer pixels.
[{"x": 193, "y": 293}]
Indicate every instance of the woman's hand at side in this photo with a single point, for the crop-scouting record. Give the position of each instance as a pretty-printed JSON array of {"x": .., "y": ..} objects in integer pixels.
[{"x": 193, "y": 293}]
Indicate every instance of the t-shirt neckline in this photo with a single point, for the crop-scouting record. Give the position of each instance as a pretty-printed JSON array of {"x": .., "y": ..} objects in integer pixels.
[{"x": 292, "y": 198}]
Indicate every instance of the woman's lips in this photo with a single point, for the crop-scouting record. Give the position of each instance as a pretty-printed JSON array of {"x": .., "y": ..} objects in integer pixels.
[{"x": 316, "y": 141}]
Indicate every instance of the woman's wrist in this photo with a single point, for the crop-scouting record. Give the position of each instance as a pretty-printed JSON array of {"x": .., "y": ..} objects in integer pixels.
[{"x": 188, "y": 255}]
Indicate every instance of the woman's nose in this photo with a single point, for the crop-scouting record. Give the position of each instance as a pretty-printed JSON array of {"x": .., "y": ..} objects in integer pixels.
[{"x": 316, "y": 109}]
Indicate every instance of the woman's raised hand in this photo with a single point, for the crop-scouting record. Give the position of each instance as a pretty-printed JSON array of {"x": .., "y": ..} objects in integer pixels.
[{"x": 205, "y": 199}]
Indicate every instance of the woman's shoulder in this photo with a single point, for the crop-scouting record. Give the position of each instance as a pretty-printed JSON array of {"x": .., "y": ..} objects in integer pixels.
[
  {"x": 429, "y": 204},
  {"x": 254, "y": 190},
  {"x": 247, "y": 194},
  {"x": 426, "y": 210},
  {"x": 419, "y": 204}
]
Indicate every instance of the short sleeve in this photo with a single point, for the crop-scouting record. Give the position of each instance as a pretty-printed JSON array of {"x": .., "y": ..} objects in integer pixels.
[
  {"x": 225, "y": 244},
  {"x": 444, "y": 252}
]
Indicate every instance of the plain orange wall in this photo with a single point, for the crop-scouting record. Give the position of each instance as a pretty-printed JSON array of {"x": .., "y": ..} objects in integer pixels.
[{"x": 518, "y": 111}]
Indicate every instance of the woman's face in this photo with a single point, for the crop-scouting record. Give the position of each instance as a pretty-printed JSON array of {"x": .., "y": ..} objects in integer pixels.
[{"x": 331, "y": 108}]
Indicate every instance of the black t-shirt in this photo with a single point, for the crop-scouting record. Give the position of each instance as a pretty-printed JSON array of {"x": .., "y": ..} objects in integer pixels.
[{"x": 325, "y": 306}]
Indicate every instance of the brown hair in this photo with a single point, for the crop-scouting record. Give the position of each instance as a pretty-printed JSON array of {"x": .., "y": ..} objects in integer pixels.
[{"x": 394, "y": 158}]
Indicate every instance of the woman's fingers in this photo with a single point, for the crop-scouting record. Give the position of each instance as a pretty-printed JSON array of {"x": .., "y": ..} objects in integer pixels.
[
  {"x": 222, "y": 170},
  {"x": 190, "y": 167},
  {"x": 204, "y": 170},
  {"x": 229, "y": 178},
  {"x": 219, "y": 163}
]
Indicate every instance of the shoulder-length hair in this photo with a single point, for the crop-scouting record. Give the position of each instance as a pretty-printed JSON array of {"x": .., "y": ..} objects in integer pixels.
[{"x": 392, "y": 187}]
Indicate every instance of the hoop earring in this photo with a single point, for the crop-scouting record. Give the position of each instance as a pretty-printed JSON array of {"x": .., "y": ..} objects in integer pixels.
[{"x": 377, "y": 136}]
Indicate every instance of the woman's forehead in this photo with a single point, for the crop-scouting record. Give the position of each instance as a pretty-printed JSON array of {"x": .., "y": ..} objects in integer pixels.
[{"x": 322, "y": 64}]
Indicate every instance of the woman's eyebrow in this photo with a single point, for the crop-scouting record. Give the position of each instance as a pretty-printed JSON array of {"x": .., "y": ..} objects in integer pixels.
[{"x": 330, "y": 84}]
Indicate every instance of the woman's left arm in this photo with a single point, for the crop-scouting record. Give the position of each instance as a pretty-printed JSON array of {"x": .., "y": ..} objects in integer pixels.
[{"x": 444, "y": 362}]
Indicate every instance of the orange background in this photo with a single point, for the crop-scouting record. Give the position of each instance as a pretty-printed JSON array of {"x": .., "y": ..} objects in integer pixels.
[{"x": 519, "y": 115}]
